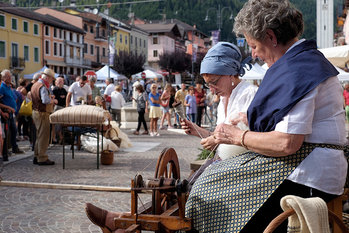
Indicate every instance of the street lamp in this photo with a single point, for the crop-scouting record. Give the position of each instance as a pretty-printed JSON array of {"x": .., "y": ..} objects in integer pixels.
[{"x": 219, "y": 12}]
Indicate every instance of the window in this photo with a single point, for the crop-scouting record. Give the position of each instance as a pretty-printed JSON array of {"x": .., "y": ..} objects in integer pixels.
[
  {"x": 70, "y": 36},
  {"x": 55, "y": 32},
  {"x": 60, "y": 33},
  {"x": 120, "y": 39},
  {"x": 155, "y": 40},
  {"x": 71, "y": 48},
  {"x": 140, "y": 42},
  {"x": 144, "y": 43},
  {"x": 91, "y": 29},
  {"x": 25, "y": 26},
  {"x": 2, "y": 49},
  {"x": 14, "y": 24},
  {"x": 78, "y": 52},
  {"x": 47, "y": 47},
  {"x": 103, "y": 33},
  {"x": 47, "y": 30},
  {"x": 131, "y": 40},
  {"x": 91, "y": 49},
  {"x": 125, "y": 39},
  {"x": 103, "y": 52},
  {"x": 61, "y": 50},
  {"x": 55, "y": 52},
  {"x": 85, "y": 48},
  {"x": 14, "y": 51},
  {"x": 26, "y": 52},
  {"x": 136, "y": 41},
  {"x": 36, "y": 29},
  {"x": 85, "y": 27},
  {"x": 2, "y": 21},
  {"x": 36, "y": 54},
  {"x": 155, "y": 53}
]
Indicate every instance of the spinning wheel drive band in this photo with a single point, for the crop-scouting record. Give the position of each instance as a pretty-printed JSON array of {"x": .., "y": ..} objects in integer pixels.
[{"x": 167, "y": 167}]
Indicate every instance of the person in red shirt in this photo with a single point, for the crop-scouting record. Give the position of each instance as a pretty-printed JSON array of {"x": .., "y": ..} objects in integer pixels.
[
  {"x": 200, "y": 95},
  {"x": 346, "y": 101}
]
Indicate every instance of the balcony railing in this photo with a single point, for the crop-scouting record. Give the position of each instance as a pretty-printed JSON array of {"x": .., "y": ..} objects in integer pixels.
[{"x": 17, "y": 63}]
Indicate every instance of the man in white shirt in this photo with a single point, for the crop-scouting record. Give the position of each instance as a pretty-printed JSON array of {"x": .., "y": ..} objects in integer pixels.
[
  {"x": 79, "y": 93},
  {"x": 117, "y": 102},
  {"x": 108, "y": 90}
]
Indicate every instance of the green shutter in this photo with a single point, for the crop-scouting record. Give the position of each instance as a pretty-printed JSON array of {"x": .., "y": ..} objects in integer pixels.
[
  {"x": 36, "y": 29},
  {"x": 2, "y": 20},
  {"x": 36, "y": 55},
  {"x": 14, "y": 24},
  {"x": 2, "y": 48},
  {"x": 25, "y": 26}
]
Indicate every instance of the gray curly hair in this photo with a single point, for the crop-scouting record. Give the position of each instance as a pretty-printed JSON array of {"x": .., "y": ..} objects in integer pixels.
[{"x": 280, "y": 16}]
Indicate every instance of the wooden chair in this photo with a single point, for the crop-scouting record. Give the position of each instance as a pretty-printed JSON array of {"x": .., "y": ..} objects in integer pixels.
[{"x": 335, "y": 209}]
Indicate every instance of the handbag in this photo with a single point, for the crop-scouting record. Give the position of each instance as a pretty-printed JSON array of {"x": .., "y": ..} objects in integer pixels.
[{"x": 26, "y": 108}]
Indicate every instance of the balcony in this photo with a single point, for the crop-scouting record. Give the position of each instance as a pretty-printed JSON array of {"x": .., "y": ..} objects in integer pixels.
[
  {"x": 100, "y": 60},
  {"x": 17, "y": 63},
  {"x": 73, "y": 61},
  {"x": 99, "y": 37}
]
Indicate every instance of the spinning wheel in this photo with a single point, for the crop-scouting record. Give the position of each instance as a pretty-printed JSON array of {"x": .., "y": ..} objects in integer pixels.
[
  {"x": 165, "y": 213},
  {"x": 166, "y": 167}
]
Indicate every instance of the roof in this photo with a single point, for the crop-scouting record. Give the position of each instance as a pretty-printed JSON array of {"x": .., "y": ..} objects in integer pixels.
[
  {"x": 46, "y": 19},
  {"x": 158, "y": 28}
]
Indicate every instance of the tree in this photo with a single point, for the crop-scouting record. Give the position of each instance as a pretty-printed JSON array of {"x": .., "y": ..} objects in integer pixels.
[
  {"x": 128, "y": 63},
  {"x": 175, "y": 62}
]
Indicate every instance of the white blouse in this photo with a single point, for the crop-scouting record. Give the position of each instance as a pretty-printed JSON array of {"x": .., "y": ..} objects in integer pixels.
[
  {"x": 239, "y": 101},
  {"x": 321, "y": 118}
]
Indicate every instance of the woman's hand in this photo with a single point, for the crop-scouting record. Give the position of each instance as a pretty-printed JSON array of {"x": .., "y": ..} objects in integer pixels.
[
  {"x": 227, "y": 134},
  {"x": 193, "y": 129},
  {"x": 241, "y": 118},
  {"x": 209, "y": 143}
]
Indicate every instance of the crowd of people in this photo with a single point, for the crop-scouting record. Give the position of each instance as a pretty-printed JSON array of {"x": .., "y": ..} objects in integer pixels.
[{"x": 25, "y": 110}]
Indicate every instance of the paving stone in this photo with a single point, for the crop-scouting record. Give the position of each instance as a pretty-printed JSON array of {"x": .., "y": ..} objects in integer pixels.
[{"x": 34, "y": 210}]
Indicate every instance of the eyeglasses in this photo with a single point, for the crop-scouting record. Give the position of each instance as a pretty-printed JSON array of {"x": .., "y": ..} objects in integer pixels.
[{"x": 213, "y": 83}]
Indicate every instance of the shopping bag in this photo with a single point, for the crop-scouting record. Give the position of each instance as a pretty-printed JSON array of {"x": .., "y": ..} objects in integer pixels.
[{"x": 26, "y": 108}]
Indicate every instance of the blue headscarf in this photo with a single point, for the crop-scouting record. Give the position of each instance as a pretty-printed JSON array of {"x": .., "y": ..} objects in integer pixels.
[{"x": 222, "y": 59}]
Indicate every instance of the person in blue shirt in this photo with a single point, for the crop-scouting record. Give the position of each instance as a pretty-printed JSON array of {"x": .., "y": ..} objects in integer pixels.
[{"x": 9, "y": 99}]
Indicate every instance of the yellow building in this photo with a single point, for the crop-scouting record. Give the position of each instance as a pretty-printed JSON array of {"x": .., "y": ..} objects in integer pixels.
[
  {"x": 20, "y": 40},
  {"x": 122, "y": 40}
]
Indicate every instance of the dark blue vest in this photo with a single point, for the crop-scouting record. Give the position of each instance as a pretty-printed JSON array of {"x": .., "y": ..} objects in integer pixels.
[{"x": 285, "y": 83}]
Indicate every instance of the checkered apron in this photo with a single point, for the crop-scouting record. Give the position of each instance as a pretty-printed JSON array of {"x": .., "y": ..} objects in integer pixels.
[{"x": 229, "y": 193}]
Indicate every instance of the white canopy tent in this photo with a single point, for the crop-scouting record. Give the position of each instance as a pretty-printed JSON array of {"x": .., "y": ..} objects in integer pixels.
[
  {"x": 338, "y": 55},
  {"x": 148, "y": 74},
  {"x": 257, "y": 72},
  {"x": 102, "y": 74},
  {"x": 30, "y": 76}
]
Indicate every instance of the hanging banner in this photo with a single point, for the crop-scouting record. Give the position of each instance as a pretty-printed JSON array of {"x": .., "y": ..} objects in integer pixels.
[
  {"x": 112, "y": 41},
  {"x": 215, "y": 37}
]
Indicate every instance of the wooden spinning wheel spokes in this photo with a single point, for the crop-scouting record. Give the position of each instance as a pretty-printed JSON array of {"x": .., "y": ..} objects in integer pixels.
[{"x": 167, "y": 167}]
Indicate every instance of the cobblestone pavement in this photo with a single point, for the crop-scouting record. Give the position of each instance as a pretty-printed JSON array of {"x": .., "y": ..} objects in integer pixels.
[{"x": 54, "y": 210}]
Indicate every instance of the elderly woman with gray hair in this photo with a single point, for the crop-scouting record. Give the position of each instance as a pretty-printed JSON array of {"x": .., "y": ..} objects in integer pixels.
[{"x": 296, "y": 136}]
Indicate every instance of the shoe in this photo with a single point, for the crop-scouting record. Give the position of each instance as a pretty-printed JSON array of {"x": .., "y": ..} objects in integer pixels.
[
  {"x": 136, "y": 132},
  {"x": 97, "y": 216},
  {"x": 152, "y": 134},
  {"x": 18, "y": 151},
  {"x": 35, "y": 160},
  {"x": 170, "y": 127},
  {"x": 157, "y": 134},
  {"x": 145, "y": 133},
  {"x": 47, "y": 162},
  {"x": 162, "y": 127}
]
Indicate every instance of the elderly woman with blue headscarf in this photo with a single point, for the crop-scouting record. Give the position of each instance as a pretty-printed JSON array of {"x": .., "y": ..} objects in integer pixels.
[
  {"x": 296, "y": 137},
  {"x": 221, "y": 69}
]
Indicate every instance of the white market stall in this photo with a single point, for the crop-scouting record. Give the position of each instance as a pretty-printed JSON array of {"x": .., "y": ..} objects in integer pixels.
[
  {"x": 257, "y": 72},
  {"x": 338, "y": 55},
  {"x": 149, "y": 74},
  {"x": 103, "y": 73}
]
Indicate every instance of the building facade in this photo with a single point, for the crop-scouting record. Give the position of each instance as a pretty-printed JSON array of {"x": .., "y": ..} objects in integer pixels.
[{"x": 20, "y": 40}]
